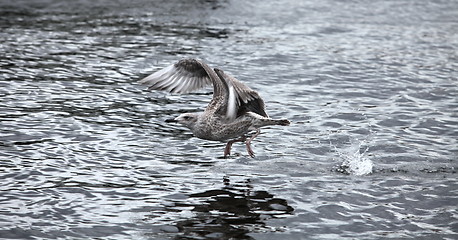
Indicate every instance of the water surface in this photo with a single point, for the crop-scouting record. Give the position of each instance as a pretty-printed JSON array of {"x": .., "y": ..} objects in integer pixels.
[{"x": 370, "y": 87}]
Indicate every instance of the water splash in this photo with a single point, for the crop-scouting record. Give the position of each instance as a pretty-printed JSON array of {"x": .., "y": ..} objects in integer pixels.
[{"x": 354, "y": 159}]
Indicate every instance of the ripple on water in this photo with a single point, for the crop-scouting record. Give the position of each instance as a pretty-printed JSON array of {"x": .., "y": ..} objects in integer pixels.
[{"x": 370, "y": 89}]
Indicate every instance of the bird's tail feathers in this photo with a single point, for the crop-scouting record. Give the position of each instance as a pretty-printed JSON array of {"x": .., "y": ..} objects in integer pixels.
[{"x": 283, "y": 122}]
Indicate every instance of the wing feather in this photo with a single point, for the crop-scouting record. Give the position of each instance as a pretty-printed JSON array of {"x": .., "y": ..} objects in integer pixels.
[
  {"x": 232, "y": 107},
  {"x": 247, "y": 99},
  {"x": 184, "y": 76}
]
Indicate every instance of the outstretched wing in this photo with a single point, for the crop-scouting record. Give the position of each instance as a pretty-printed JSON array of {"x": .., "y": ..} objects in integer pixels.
[
  {"x": 231, "y": 98},
  {"x": 188, "y": 75},
  {"x": 244, "y": 98},
  {"x": 185, "y": 76}
]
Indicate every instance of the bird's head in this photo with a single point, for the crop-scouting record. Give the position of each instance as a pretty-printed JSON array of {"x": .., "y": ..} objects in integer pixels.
[{"x": 187, "y": 119}]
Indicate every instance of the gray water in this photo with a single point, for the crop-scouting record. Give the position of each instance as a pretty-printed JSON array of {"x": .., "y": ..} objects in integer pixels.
[{"x": 370, "y": 87}]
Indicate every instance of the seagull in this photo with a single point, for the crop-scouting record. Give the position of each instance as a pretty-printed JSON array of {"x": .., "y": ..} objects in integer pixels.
[{"x": 234, "y": 111}]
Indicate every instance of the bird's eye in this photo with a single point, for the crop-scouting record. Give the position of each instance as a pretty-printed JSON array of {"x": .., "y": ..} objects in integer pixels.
[{"x": 186, "y": 117}]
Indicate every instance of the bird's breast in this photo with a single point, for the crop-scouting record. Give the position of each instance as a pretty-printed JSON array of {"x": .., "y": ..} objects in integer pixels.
[{"x": 217, "y": 129}]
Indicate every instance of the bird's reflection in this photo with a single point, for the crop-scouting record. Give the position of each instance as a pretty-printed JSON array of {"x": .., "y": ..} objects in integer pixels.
[{"x": 232, "y": 212}]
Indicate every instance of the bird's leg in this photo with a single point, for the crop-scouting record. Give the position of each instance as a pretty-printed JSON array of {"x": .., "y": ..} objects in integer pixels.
[
  {"x": 227, "y": 150},
  {"x": 248, "y": 142}
]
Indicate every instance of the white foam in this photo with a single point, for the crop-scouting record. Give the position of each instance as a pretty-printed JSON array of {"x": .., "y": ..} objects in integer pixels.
[{"x": 355, "y": 161}]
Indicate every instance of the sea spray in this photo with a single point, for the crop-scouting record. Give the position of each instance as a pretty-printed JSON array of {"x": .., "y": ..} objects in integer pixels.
[{"x": 354, "y": 159}]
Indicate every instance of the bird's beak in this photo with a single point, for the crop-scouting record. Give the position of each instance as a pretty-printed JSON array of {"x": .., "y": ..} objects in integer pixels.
[{"x": 170, "y": 120}]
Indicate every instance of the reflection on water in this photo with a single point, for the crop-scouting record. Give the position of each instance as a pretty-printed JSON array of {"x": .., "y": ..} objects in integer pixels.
[
  {"x": 231, "y": 212},
  {"x": 370, "y": 88}
]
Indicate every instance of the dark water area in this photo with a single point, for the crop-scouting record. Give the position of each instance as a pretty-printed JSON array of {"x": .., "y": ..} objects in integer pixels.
[{"x": 371, "y": 88}]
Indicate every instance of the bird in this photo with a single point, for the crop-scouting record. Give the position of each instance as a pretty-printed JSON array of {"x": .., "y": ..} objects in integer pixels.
[{"x": 234, "y": 111}]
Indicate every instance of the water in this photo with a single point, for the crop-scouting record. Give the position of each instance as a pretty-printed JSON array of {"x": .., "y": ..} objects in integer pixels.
[{"x": 370, "y": 87}]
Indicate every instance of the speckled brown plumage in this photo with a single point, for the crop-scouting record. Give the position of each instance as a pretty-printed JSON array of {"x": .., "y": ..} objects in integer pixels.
[{"x": 234, "y": 110}]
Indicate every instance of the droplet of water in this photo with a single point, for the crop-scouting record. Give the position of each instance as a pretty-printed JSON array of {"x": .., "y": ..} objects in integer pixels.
[{"x": 355, "y": 161}]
